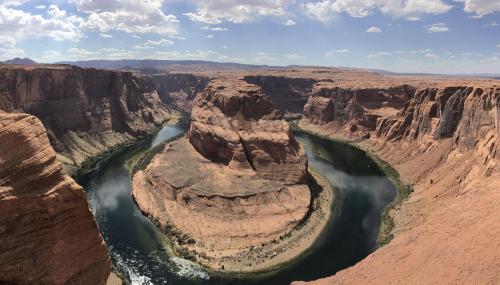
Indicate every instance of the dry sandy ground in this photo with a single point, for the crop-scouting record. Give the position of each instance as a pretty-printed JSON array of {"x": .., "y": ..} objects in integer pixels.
[{"x": 447, "y": 232}]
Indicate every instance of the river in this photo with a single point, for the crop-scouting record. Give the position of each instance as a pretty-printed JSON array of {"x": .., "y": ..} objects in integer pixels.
[{"x": 134, "y": 243}]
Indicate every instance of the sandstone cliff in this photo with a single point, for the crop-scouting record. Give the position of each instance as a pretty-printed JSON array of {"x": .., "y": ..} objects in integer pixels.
[
  {"x": 47, "y": 232},
  {"x": 235, "y": 123},
  {"x": 289, "y": 94},
  {"x": 232, "y": 195},
  {"x": 85, "y": 111},
  {"x": 355, "y": 110},
  {"x": 179, "y": 89},
  {"x": 444, "y": 140}
]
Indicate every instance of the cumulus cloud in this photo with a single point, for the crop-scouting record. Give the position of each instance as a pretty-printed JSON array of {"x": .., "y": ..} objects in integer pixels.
[
  {"x": 374, "y": 30},
  {"x": 127, "y": 15},
  {"x": 437, "y": 28},
  {"x": 237, "y": 11},
  {"x": 22, "y": 25},
  {"x": 289, "y": 23},
  {"x": 481, "y": 8},
  {"x": 325, "y": 10},
  {"x": 203, "y": 16}
]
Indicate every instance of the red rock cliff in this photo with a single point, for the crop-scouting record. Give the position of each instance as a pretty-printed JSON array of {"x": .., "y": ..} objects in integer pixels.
[
  {"x": 236, "y": 123},
  {"x": 85, "y": 111},
  {"x": 47, "y": 232}
]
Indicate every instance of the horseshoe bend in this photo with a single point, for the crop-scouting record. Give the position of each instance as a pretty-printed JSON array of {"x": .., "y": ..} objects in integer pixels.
[
  {"x": 235, "y": 192},
  {"x": 239, "y": 142}
]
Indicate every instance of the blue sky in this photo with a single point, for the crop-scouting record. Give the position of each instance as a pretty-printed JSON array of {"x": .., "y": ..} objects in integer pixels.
[{"x": 443, "y": 36}]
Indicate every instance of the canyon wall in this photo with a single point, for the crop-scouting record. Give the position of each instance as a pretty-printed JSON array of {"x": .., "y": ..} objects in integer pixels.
[
  {"x": 289, "y": 94},
  {"x": 85, "y": 111},
  {"x": 355, "y": 110},
  {"x": 444, "y": 140},
  {"x": 47, "y": 232},
  {"x": 179, "y": 89}
]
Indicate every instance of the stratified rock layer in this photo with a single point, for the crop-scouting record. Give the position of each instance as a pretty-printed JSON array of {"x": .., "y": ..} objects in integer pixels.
[
  {"x": 235, "y": 123},
  {"x": 47, "y": 232},
  {"x": 179, "y": 89},
  {"x": 85, "y": 111},
  {"x": 444, "y": 140},
  {"x": 236, "y": 183}
]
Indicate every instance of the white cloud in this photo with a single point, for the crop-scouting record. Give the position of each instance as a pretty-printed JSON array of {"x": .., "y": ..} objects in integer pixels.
[
  {"x": 8, "y": 48},
  {"x": 203, "y": 16},
  {"x": 413, "y": 18},
  {"x": 325, "y": 10},
  {"x": 237, "y": 11},
  {"x": 40, "y": 7},
  {"x": 55, "y": 12},
  {"x": 49, "y": 56},
  {"x": 210, "y": 36},
  {"x": 105, "y": 35},
  {"x": 481, "y": 7},
  {"x": 293, "y": 56},
  {"x": 24, "y": 25},
  {"x": 218, "y": 29},
  {"x": 378, "y": 55},
  {"x": 177, "y": 37},
  {"x": 437, "y": 28},
  {"x": 431, "y": 55},
  {"x": 289, "y": 23},
  {"x": 374, "y": 30},
  {"x": 335, "y": 53},
  {"x": 421, "y": 51},
  {"x": 498, "y": 45},
  {"x": 127, "y": 15},
  {"x": 491, "y": 24},
  {"x": 149, "y": 44}
]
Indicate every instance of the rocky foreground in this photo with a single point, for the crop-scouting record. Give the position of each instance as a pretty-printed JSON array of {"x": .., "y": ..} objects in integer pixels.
[
  {"x": 233, "y": 194},
  {"x": 47, "y": 232},
  {"x": 86, "y": 111}
]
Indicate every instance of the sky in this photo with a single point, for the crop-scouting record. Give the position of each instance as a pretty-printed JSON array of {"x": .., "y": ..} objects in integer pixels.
[{"x": 431, "y": 36}]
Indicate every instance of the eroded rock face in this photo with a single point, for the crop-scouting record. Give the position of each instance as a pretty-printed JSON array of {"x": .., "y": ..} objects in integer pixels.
[
  {"x": 354, "y": 108},
  {"x": 179, "y": 89},
  {"x": 235, "y": 123},
  {"x": 47, "y": 232},
  {"x": 85, "y": 111},
  {"x": 229, "y": 192},
  {"x": 444, "y": 141},
  {"x": 287, "y": 93}
]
